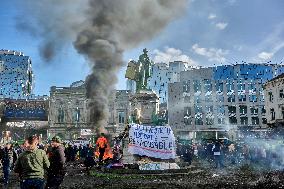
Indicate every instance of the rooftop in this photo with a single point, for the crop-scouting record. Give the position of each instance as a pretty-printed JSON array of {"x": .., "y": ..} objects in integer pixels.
[
  {"x": 278, "y": 77},
  {"x": 10, "y": 52}
]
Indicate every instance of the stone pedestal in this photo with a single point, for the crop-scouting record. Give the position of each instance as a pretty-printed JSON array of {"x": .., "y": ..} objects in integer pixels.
[{"x": 146, "y": 103}]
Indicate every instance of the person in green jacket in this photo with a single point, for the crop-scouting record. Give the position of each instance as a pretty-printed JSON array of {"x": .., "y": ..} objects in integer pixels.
[{"x": 31, "y": 165}]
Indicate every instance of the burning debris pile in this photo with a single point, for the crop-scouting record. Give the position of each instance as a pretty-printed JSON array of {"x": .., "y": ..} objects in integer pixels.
[{"x": 100, "y": 31}]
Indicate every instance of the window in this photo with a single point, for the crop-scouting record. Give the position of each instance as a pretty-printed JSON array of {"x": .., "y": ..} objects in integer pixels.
[
  {"x": 187, "y": 116},
  {"x": 243, "y": 110},
  {"x": 270, "y": 96},
  {"x": 221, "y": 110},
  {"x": 244, "y": 120},
  {"x": 241, "y": 86},
  {"x": 232, "y": 114},
  {"x": 281, "y": 93},
  {"x": 219, "y": 86},
  {"x": 261, "y": 98},
  {"x": 60, "y": 117},
  {"x": 208, "y": 98},
  {"x": 209, "y": 115},
  {"x": 186, "y": 86},
  {"x": 263, "y": 111},
  {"x": 220, "y": 98},
  {"x": 230, "y": 86},
  {"x": 197, "y": 99},
  {"x": 232, "y": 109},
  {"x": 233, "y": 120},
  {"x": 264, "y": 120},
  {"x": 252, "y": 98},
  {"x": 198, "y": 121},
  {"x": 261, "y": 94},
  {"x": 253, "y": 111},
  {"x": 187, "y": 111},
  {"x": 272, "y": 113},
  {"x": 282, "y": 111},
  {"x": 252, "y": 87},
  {"x": 76, "y": 116},
  {"x": 187, "y": 99},
  {"x": 207, "y": 85},
  {"x": 197, "y": 85},
  {"x": 231, "y": 98},
  {"x": 219, "y": 91},
  {"x": 187, "y": 121},
  {"x": 242, "y": 98},
  {"x": 198, "y": 115},
  {"x": 221, "y": 120},
  {"x": 209, "y": 109},
  {"x": 254, "y": 120},
  {"x": 121, "y": 117},
  {"x": 261, "y": 90},
  {"x": 209, "y": 120}
]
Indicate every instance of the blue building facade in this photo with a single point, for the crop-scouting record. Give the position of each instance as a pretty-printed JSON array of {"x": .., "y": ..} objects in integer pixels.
[
  {"x": 17, "y": 110},
  {"x": 162, "y": 75},
  {"x": 16, "y": 75},
  {"x": 222, "y": 98}
]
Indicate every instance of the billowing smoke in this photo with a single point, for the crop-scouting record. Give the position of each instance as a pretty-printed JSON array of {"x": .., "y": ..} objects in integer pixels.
[{"x": 101, "y": 30}]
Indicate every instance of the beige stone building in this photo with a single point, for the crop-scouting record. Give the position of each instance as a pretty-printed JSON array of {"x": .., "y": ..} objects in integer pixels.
[
  {"x": 67, "y": 111},
  {"x": 70, "y": 118},
  {"x": 274, "y": 101},
  {"x": 120, "y": 110}
]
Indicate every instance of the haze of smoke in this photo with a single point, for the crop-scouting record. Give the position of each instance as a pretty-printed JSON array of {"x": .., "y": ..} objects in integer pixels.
[
  {"x": 272, "y": 148},
  {"x": 102, "y": 31},
  {"x": 54, "y": 22}
]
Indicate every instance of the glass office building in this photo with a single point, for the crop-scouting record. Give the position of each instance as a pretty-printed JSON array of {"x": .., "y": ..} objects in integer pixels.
[
  {"x": 16, "y": 75},
  {"x": 222, "y": 98}
]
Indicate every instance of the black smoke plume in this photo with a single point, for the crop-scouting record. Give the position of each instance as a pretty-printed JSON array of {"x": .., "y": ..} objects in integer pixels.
[{"x": 101, "y": 30}]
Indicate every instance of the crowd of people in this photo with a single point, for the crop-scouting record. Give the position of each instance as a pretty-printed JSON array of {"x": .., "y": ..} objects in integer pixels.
[
  {"x": 41, "y": 166},
  {"x": 221, "y": 153},
  {"x": 44, "y": 166},
  {"x": 86, "y": 153}
]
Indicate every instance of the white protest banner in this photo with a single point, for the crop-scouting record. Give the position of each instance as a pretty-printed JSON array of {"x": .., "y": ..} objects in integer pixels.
[
  {"x": 158, "y": 166},
  {"x": 152, "y": 141}
]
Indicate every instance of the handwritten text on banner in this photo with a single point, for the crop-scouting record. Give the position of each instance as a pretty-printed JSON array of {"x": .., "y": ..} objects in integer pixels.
[{"x": 152, "y": 141}]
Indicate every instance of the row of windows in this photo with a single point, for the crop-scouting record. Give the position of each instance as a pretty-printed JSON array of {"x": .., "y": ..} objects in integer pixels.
[
  {"x": 221, "y": 120},
  {"x": 219, "y": 86},
  {"x": 221, "y": 110},
  {"x": 76, "y": 116},
  {"x": 281, "y": 95},
  {"x": 221, "y": 98},
  {"x": 272, "y": 113}
]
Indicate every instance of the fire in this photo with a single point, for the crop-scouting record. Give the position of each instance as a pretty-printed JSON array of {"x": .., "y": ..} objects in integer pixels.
[{"x": 108, "y": 153}]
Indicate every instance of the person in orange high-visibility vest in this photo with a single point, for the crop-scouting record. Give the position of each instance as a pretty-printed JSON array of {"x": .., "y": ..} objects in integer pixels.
[{"x": 101, "y": 145}]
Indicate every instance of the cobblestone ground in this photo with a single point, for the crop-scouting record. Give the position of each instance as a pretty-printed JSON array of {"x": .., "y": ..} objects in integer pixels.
[{"x": 191, "y": 177}]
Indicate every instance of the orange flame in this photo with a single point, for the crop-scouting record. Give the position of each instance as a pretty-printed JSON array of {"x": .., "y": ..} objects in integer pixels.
[{"x": 108, "y": 153}]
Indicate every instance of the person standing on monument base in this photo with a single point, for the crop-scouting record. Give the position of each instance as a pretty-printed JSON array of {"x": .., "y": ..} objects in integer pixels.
[
  {"x": 57, "y": 169},
  {"x": 31, "y": 165}
]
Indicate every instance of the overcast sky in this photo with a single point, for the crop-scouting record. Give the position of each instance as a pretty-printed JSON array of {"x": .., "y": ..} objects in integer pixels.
[{"x": 211, "y": 32}]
